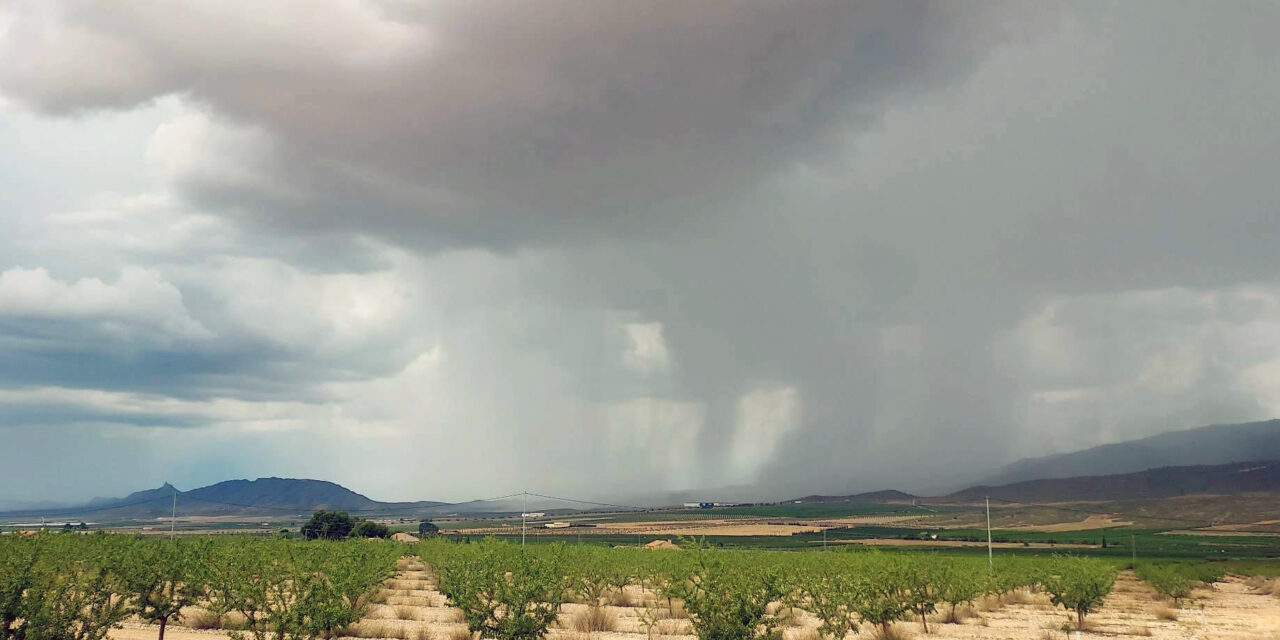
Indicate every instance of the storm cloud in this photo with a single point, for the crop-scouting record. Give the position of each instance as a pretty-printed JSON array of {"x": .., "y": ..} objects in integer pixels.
[{"x": 607, "y": 250}]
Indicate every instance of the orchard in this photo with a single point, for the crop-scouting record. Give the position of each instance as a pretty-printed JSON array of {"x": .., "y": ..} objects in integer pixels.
[{"x": 66, "y": 586}]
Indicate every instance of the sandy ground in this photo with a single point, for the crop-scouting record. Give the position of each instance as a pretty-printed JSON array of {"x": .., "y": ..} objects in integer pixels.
[
  {"x": 1091, "y": 522},
  {"x": 1230, "y": 610},
  {"x": 1235, "y": 528}
]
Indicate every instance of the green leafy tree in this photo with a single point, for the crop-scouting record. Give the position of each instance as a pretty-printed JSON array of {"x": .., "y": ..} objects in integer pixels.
[
  {"x": 70, "y": 590},
  {"x": 727, "y": 598},
  {"x": 18, "y": 575},
  {"x": 356, "y": 571},
  {"x": 427, "y": 528},
  {"x": 597, "y": 574},
  {"x": 504, "y": 593},
  {"x": 834, "y": 597},
  {"x": 1078, "y": 584},
  {"x": 369, "y": 529},
  {"x": 650, "y": 615},
  {"x": 163, "y": 577},
  {"x": 921, "y": 585},
  {"x": 1170, "y": 580},
  {"x": 290, "y": 591},
  {"x": 960, "y": 582},
  {"x": 328, "y": 525},
  {"x": 886, "y": 597}
]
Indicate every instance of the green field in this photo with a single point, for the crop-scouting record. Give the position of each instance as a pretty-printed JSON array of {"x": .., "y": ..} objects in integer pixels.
[{"x": 1150, "y": 543}]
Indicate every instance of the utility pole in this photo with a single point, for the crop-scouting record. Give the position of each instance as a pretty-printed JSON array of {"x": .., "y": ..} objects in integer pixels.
[
  {"x": 991, "y": 563},
  {"x": 1133, "y": 550},
  {"x": 824, "y": 539},
  {"x": 524, "y": 511},
  {"x": 173, "y": 515}
]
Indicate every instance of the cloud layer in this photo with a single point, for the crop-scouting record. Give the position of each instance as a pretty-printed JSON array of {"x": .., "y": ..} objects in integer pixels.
[{"x": 615, "y": 250}]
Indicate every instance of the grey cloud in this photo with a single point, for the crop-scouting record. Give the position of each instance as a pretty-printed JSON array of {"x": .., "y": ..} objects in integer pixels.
[
  {"x": 960, "y": 233},
  {"x": 496, "y": 125}
]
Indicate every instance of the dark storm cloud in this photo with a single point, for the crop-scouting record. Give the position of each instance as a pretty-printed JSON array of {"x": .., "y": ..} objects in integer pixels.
[
  {"x": 816, "y": 246},
  {"x": 494, "y": 124}
]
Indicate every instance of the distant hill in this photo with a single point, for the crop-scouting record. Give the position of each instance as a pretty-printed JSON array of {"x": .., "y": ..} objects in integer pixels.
[
  {"x": 1212, "y": 445},
  {"x": 1165, "y": 482},
  {"x": 873, "y": 497},
  {"x": 281, "y": 494},
  {"x": 164, "y": 493},
  {"x": 261, "y": 497}
]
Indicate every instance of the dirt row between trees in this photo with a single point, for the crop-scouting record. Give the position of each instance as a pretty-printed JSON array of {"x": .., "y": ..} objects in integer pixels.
[{"x": 410, "y": 608}]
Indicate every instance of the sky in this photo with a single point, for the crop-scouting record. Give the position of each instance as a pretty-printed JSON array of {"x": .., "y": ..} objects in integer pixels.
[{"x": 446, "y": 250}]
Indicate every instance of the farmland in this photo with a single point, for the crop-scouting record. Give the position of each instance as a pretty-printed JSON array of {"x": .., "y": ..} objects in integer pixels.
[{"x": 85, "y": 586}]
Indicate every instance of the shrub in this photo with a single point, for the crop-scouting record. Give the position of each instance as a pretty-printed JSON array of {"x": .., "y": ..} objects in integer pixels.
[
  {"x": 594, "y": 620},
  {"x": 202, "y": 619},
  {"x": 459, "y": 633}
]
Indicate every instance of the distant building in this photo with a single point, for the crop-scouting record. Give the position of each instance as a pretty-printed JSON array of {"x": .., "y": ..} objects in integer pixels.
[
  {"x": 535, "y": 514},
  {"x": 556, "y": 525},
  {"x": 700, "y": 505}
]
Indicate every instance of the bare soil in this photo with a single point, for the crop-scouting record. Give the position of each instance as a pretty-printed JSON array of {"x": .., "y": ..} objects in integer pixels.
[
  {"x": 1091, "y": 522},
  {"x": 1227, "y": 611}
]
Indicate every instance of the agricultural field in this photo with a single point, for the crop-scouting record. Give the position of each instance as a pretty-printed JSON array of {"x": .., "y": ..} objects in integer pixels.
[{"x": 127, "y": 587}]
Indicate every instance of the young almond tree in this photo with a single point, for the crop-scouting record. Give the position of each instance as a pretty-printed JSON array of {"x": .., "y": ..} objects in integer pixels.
[
  {"x": 19, "y": 559},
  {"x": 1079, "y": 584},
  {"x": 164, "y": 576},
  {"x": 885, "y": 593},
  {"x": 833, "y": 597},
  {"x": 1167, "y": 581},
  {"x": 920, "y": 577},
  {"x": 505, "y": 592},
  {"x": 727, "y": 597},
  {"x": 959, "y": 583},
  {"x": 71, "y": 593}
]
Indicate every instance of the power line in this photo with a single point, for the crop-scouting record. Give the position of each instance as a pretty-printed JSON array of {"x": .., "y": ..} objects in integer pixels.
[{"x": 598, "y": 504}]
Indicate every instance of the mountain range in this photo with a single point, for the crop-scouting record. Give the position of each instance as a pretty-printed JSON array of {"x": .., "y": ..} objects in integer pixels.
[
  {"x": 1212, "y": 445},
  {"x": 264, "y": 496},
  {"x": 1219, "y": 459},
  {"x": 1165, "y": 482}
]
